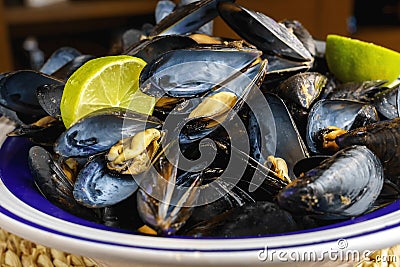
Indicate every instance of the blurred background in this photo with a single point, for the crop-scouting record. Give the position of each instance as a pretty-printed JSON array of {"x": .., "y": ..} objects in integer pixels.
[{"x": 94, "y": 26}]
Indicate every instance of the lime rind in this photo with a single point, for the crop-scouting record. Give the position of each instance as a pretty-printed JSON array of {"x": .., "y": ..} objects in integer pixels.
[{"x": 355, "y": 60}]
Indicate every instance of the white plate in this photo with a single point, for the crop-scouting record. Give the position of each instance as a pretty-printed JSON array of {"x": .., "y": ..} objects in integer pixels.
[{"x": 26, "y": 213}]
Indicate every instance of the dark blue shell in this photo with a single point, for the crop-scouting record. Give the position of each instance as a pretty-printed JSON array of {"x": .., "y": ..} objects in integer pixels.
[
  {"x": 188, "y": 18},
  {"x": 345, "y": 114},
  {"x": 18, "y": 91},
  {"x": 100, "y": 130},
  {"x": 168, "y": 74},
  {"x": 97, "y": 187},
  {"x": 345, "y": 185},
  {"x": 58, "y": 59},
  {"x": 263, "y": 32},
  {"x": 53, "y": 184}
]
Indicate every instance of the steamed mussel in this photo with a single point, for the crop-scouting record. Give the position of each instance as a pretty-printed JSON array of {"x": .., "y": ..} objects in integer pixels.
[
  {"x": 382, "y": 138},
  {"x": 100, "y": 130},
  {"x": 244, "y": 132},
  {"x": 342, "y": 186}
]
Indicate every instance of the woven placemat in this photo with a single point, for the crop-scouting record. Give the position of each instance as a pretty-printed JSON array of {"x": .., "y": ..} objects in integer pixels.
[{"x": 18, "y": 252}]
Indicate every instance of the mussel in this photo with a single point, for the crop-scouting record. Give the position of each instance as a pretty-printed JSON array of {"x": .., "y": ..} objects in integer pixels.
[
  {"x": 387, "y": 103},
  {"x": 262, "y": 31},
  {"x": 164, "y": 203},
  {"x": 382, "y": 138},
  {"x": 133, "y": 155},
  {"x": 290, "y": 145},
  {"x": 97, "y": 187},
  {"x": 100, "y": 130},
  {"x": 251, "y": 219},
  {"x": 54, "y": 184},
  {"x": 168, "y": 75},
  {"x": 342, "y": 186},
  {"x": 44, "y": 132},
  {"x": 187, "y": 18},
  {"x": 150, "y": 49},
  {"x": 329, "y": 118},
  {"x": 18, "y": 94},
  {"x": 58, "y": 59}
]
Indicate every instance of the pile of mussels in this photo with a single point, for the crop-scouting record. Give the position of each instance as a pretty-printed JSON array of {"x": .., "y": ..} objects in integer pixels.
[{"x": 307, "y": 150}]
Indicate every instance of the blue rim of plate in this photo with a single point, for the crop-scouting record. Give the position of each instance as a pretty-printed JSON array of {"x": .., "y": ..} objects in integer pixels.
[{"x": 16, "y": 177}]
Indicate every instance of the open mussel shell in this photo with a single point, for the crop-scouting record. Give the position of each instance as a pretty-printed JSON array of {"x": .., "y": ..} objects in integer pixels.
[
  {"x": 302, "y": 89},
  {"x": 169, "y": 74},
  {"x": 382, "y": 138},
  {"x": 253, "y": 177},
  {"x": 43, "y": 132},
  {"x": 151, "y": 48},
  {"x": 306, "y": 164},
  {"x": 187, "y": 18},
  {"x": 58, "y": 59},
  {"x": 66, "y": 71},
  {"x": 263, "y": 32},
  {"x": 289, "y": 145},
  {"x": 358, "y": 91},
  {"x": 218, "y": 107},
  {"x": 18, "y": 91},
  {"x": 53, "y": 184},
  {"x": 97, "y": 187},
  {"x": 264, "y": 217},
  {"x": 49, "y": 97},
  {"x": 344, "y": 114},
  {"x": 231, "y": 197},
  {"x": 387, "y": 103},
  {"x": 164, "y": 202},
  {"x": 302, "y": 34},
  {"x": 343, "y": 186},
  {"x": 163, "y": 9},
  {"x": 100, "y": 130}
]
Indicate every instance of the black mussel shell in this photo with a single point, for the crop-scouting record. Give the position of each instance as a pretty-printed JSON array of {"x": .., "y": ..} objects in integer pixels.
[
  {"x": 188, "y": 18},
  {"x": 52, "y": 183},
  {"x": 170, "y": 74},
  {"x": 18, "y": 91},
  {"x": 251, "y": 219},
  {"x": 49, "y": 97},
  {"x": 58, "y": 59},
  {"x": 150, "y": 49},
  {"x": 343, "y": 186},
  {"x": 97, "y": 187},
  {"x": 262, "y": 31},
  {"x": 66, "y": 71},
  {"x": 100, "y": 130}
]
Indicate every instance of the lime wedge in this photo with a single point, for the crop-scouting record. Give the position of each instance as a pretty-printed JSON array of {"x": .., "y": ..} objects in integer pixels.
[
  {"x": 111, "y": 81},
  {"x": 354, "y": 60}
]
